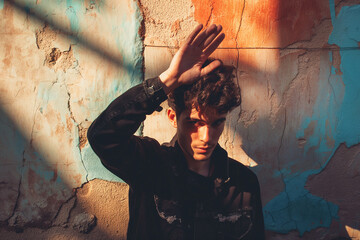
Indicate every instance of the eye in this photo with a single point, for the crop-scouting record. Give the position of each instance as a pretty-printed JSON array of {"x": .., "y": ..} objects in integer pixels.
[
  {"x": 218, "y": 122},
  {"x": 193, "y": 122},
  {"x": 196, "y": 123}
]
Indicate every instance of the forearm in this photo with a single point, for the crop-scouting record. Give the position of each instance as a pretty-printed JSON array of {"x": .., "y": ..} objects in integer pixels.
[
  {"x": 110, "y": 134},
  {"x": 125, "y": 114}
]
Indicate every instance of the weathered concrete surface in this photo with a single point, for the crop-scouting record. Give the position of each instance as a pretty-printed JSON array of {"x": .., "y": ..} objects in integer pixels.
[
  {"x": 343, "y": 164},
  {"x": 166, "y": 23},
  {"x": 107, "y": 201},
  {"x": 298, "y": 127},
  {"x": 57, "y": 76}
]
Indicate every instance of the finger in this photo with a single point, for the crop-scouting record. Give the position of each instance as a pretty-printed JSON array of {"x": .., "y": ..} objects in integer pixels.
[
  {"x": 235, "y": 204},
  {"x": 210, "y": 38},
  {"x": 212, "y": 47},
  {"x": 246, "y": 200},
  {"x": 202, "y": 36},
  {"x": 192, "y": 35},
  {"x": 229, "y": 196},
  {"x": 210, "y": 67}
]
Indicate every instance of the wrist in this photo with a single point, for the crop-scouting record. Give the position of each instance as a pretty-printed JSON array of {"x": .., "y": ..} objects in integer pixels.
[{"x": 169, "y": 83}]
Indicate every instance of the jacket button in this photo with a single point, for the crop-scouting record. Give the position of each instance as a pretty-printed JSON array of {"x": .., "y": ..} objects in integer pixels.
[{"x": 151, "y": 90}]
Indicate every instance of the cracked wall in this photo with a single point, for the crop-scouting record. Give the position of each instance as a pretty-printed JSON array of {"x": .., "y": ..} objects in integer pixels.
[
  {"x": 298, "y": 126},
  {"x": 62, "y": 62}
]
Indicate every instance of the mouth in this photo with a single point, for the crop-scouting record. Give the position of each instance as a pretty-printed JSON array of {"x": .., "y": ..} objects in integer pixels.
[{"x": 203, "y": 149}]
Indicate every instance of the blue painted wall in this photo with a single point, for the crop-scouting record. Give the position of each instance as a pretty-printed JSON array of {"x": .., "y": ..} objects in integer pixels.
[{"x": 335, "y": 119}]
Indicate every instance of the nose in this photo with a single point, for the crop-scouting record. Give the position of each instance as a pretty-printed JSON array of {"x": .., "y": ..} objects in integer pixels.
[{"x": 204, "y": 133}]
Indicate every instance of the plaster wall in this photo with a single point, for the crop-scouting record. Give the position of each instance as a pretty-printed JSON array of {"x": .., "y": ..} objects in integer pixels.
[{"x": 298, "y": 126}]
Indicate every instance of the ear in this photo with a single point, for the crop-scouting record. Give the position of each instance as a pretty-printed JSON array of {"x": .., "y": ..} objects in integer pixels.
[{"x": 172, "y": 117}]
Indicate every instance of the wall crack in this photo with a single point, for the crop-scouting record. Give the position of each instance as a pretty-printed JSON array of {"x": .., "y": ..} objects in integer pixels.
[
  {"x": 79, "y": 128},
  {"x": 13, "y": 220}
]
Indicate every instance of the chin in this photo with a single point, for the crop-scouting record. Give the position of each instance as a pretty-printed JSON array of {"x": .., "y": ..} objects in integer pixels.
[{"x": 201, "y": 157}]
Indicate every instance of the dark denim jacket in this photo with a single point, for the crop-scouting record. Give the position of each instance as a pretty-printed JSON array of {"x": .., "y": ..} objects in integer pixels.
[{"x": 166, "y": 199}]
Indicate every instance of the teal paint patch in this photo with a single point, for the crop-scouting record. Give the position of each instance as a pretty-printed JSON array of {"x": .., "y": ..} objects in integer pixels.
[
  {"x": 277, "y": 215},
  {"x": 323, "y": 122},
  {"x": 1, "y": 4},
  {"x": 95, "y": 168},
  {"x": 299, "y": 213},
  {"x": 348, "y": 128},
  {"x": 74, "y": 8},
  {"x": 49, "y": 93},
  {"x": 131, "y": 48},
  {"x": 98, "y": 5},
  {"x": 336, "y": 120},
  {"x": 297, "y": 209},
  {"x": 346, "y": 33},
  {"x": 137, "y": 74}
]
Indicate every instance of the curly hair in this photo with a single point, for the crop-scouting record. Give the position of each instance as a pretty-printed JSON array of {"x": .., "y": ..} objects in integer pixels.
[{"x": 216, "y": 90}]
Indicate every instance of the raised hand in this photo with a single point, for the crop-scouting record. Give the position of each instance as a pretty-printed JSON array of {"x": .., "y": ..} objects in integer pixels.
[{"x": 186, "y": 65}]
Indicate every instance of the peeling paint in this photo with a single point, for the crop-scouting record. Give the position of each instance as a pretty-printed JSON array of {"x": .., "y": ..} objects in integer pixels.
[
  {"x": 297, "y": 209},
  {"x": 54, "y": 74},
  {"x": 336, "y": 119},
  {"x": 344, "y": 164},
  {"x": 290, "y": 209},
  {"x": 83, "y": 127},
  {"x": 346, "y": 33},
  {"x": 54, "y": 57},
  {"x": 61, "y": 60},
  {"x": 73, "y": 9},
  {"x": 94, "y": 167}
]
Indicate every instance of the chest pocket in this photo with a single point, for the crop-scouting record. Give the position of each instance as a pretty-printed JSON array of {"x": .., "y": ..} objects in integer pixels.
[{"x": 232, "y": 223}]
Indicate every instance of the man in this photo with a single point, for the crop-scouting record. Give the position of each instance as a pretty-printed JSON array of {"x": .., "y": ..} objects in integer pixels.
[{"x": 189, "y": 189}]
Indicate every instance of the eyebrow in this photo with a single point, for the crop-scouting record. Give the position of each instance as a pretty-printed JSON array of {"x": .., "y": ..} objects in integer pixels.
[
  {"x": 193, "y": 119},
  {"x": 198, "y": 119},
  {"x": 220, "y": 120}
]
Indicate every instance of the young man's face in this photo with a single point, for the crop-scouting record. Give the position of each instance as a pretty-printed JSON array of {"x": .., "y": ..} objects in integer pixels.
[{"x": 198, "y": 132}]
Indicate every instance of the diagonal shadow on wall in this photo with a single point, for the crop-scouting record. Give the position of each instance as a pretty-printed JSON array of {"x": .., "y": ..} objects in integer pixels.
[{"x": 41, "y": 186}]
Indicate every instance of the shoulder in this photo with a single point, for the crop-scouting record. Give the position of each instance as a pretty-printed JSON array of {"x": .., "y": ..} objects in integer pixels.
[
  {"x": 238, "y": 167},
  {"x": 242, "y": 174}
]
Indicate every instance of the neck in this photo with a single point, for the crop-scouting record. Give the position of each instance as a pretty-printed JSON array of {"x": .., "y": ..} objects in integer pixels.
[{"x": 200, "y": 167}]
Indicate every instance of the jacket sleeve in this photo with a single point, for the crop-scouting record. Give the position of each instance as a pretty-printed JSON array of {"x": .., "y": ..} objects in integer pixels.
[{"x": 111, "y": 135}]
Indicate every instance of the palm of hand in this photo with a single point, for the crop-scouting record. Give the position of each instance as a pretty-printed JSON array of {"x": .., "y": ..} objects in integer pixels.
[
  {"x": 186, "y": 65},
  {"x": 188, "y": 62}
]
